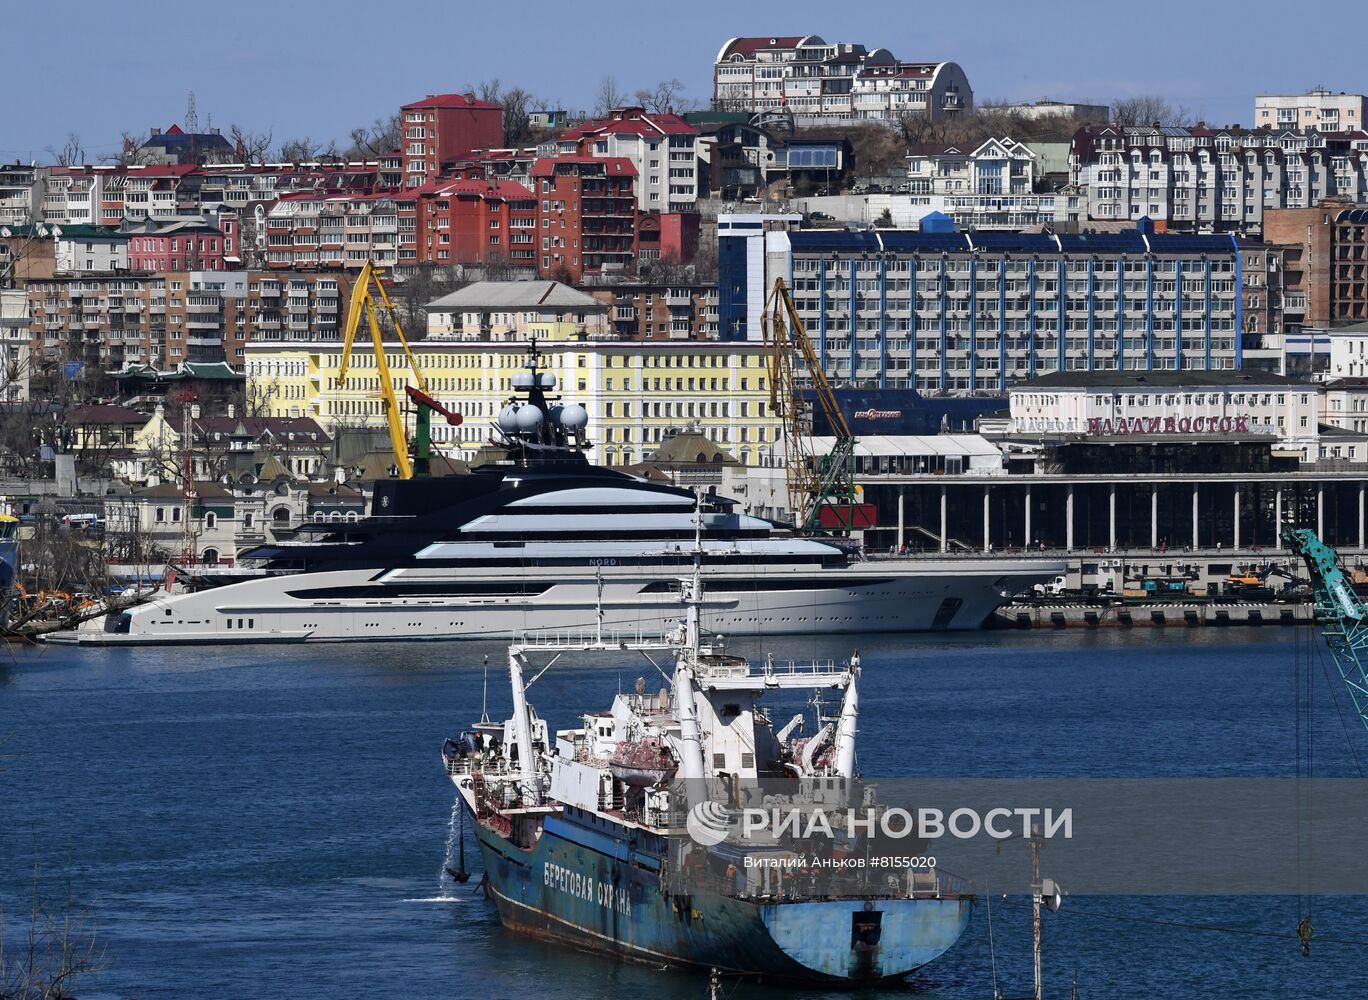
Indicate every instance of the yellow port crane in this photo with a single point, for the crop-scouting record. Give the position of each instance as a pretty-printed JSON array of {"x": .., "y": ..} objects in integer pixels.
[
  {"x": 822, "y": 489},
  {"x": 363, "y": 301}
]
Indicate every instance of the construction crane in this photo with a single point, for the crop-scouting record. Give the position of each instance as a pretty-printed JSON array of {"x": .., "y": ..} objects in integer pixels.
[
  {"x": 1340, "y": 613},
  {"x": 821, "y": 488},
  {"x": 363, "y": 301}
]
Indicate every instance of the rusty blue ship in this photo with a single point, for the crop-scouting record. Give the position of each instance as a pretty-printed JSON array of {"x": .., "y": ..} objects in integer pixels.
[{"x": 613, "y": 836}]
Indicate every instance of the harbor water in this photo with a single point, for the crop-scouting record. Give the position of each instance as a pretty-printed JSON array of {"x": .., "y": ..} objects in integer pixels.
[{"x": 264, "y": 821}]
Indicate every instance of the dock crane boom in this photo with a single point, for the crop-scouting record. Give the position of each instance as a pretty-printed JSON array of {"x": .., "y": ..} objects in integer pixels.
[
  {"x": 821, "y": 489},
  {"x": 1340, "y": 613},
  {"x": 363, "y": 301}
]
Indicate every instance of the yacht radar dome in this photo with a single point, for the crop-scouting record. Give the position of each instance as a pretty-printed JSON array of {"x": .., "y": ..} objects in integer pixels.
[
  {"x": 574, "y": 416},
  {"x": 529, "y": 418},
  {"x": 508, "y": 418}
]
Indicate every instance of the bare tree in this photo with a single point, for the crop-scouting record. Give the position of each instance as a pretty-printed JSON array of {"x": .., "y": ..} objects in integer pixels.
[
  {"x": 517, "y": 116},
  {"x": 487, "y": 90},
  {"x": 1149, "y": 109},
  {"x": 377, "y": 139},
  {"x": 72, "y": 152},
  {"x": 667, "y": 95},
  {"x": 303, "y": 150},
  {"x": 129, "y": 145},
  {"x": 609, "y": 97},
  {"x": 411, "y": 296},
  {"x": 57, "y": 949},
  {"x": 251, "y": 146}
]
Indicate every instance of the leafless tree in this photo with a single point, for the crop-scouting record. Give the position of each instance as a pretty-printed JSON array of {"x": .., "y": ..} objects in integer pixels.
[
  {"x": 56, "y": 950},
  {"x": 667, "y": 95},
  {"x": 1149, "y": 109},
  {"x": 72, "y": 152},
  {"x": 129, "y": 144},
  {"x": 253, "y": 147},
  {"x": 411, "y": 296},
  {"x": 517, "y": 116},
  {"x": 377, "y": 139},
  {"x": 609, "y": 97},
  {"x": 304, "y": 150},
  {"x": 487, "y": 90}
]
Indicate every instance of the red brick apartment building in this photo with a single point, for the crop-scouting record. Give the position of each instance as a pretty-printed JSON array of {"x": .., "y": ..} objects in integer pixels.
[
  {"x": 445, "y": 127},
  {"x": 587, "y": 211}
]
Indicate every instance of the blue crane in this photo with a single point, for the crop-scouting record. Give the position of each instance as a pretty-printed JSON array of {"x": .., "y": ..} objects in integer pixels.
[{"x": 1339, "y": 612}]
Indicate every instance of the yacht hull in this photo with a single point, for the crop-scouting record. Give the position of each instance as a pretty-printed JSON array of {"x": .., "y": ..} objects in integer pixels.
[{"x": 878, "y": 596}]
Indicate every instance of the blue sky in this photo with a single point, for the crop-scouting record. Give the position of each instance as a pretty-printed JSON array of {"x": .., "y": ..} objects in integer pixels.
[{"x": 308, "y": 68}]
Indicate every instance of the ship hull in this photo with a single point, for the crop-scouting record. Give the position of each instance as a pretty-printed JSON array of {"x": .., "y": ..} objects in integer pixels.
[
  {"x": 891, "y": 596},
  {"x": 601, "y": 892}
]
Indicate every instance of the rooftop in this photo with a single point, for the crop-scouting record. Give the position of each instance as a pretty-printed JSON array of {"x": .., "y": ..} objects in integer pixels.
[
  {"x": 452, "y": 101},
  {"x": 514, "y": 295},
  {"x": 1161, "y": 380}
]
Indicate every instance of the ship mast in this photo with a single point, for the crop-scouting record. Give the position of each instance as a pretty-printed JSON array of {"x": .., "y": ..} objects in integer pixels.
[{"x": 686, "y": 710}]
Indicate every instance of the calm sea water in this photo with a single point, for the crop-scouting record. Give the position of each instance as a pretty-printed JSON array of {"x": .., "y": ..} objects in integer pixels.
[{"x": 261, "y": 822}]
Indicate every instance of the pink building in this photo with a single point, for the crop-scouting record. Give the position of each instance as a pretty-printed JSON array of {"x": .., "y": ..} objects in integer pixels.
[{"x": 182, "y": 245}]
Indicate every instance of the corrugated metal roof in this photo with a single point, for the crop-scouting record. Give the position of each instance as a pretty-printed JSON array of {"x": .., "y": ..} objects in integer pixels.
[{"x": 516, "y": 295}]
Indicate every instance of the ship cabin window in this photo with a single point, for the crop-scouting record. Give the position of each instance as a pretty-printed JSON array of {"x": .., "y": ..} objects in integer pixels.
[
  {"x": 730, "y": 711},
  {"x": 719, "y": 760}
]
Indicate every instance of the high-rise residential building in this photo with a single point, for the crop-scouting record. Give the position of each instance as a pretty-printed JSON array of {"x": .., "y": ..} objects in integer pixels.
[
  {"x": 445, "y": 127},
  {"x": 588, "y": 212},
  {"x": 1202, "y": 178},
  {"x": 1325, "y": 269},
  {"x": 332, "y": 230},
  {"x": 104, "y": 322},
  {"x": 663, "y": 148},
  {"x": 815, "y": 79},
  {"x": 1320, "y": 109},
  {"x": 464, "y": 221},
  {"x": 21, "y": 193},
  {"x": 949, "y": 312}
]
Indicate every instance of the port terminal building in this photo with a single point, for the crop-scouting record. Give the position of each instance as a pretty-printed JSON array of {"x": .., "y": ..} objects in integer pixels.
[{"x": 1161, "y": 466}]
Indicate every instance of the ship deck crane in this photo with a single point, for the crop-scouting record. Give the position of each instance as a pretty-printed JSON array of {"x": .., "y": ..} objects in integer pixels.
[
  {"x": 822, "y": 489},
  {"x": 363, "y": 302},
  {"x": 1340, "y": 613}
]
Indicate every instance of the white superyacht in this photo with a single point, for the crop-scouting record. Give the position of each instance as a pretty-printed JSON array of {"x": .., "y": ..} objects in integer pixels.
[{"x": 544, "y": 539}]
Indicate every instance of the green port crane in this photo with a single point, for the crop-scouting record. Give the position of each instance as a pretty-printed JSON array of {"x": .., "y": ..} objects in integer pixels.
[
  {"x": 821, "y": 488},
  {"x": 367, "y": 290},
  {"x": 1340, "y": 613}
]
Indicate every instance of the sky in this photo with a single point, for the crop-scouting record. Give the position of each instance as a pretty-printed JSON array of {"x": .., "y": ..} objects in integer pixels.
[{"x": 304, "y": 68}]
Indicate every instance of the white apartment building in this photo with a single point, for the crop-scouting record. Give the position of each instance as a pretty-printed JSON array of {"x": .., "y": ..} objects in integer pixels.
[
  {"x": 1213, "y": 179},
  {"x": 312, "y": 230},
  {"x": 14, "y": 345},
  {"x": 1319, "y": 109},
  {"x": 663, "y": 148},
  {"x": 817, "y": 80},
  {"x": 21, "y": 193}
]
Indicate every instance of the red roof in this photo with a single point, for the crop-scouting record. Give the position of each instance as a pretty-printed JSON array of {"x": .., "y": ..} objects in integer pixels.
[
  {"x": 451, "y": 101},
  {"x": 618, "y": 165},
  {"x": 749, "y": 46},
  {"x": 633, "y": 121},
  {"x": 508, "y": 190},
  {"x": 174, "y": 130}
]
